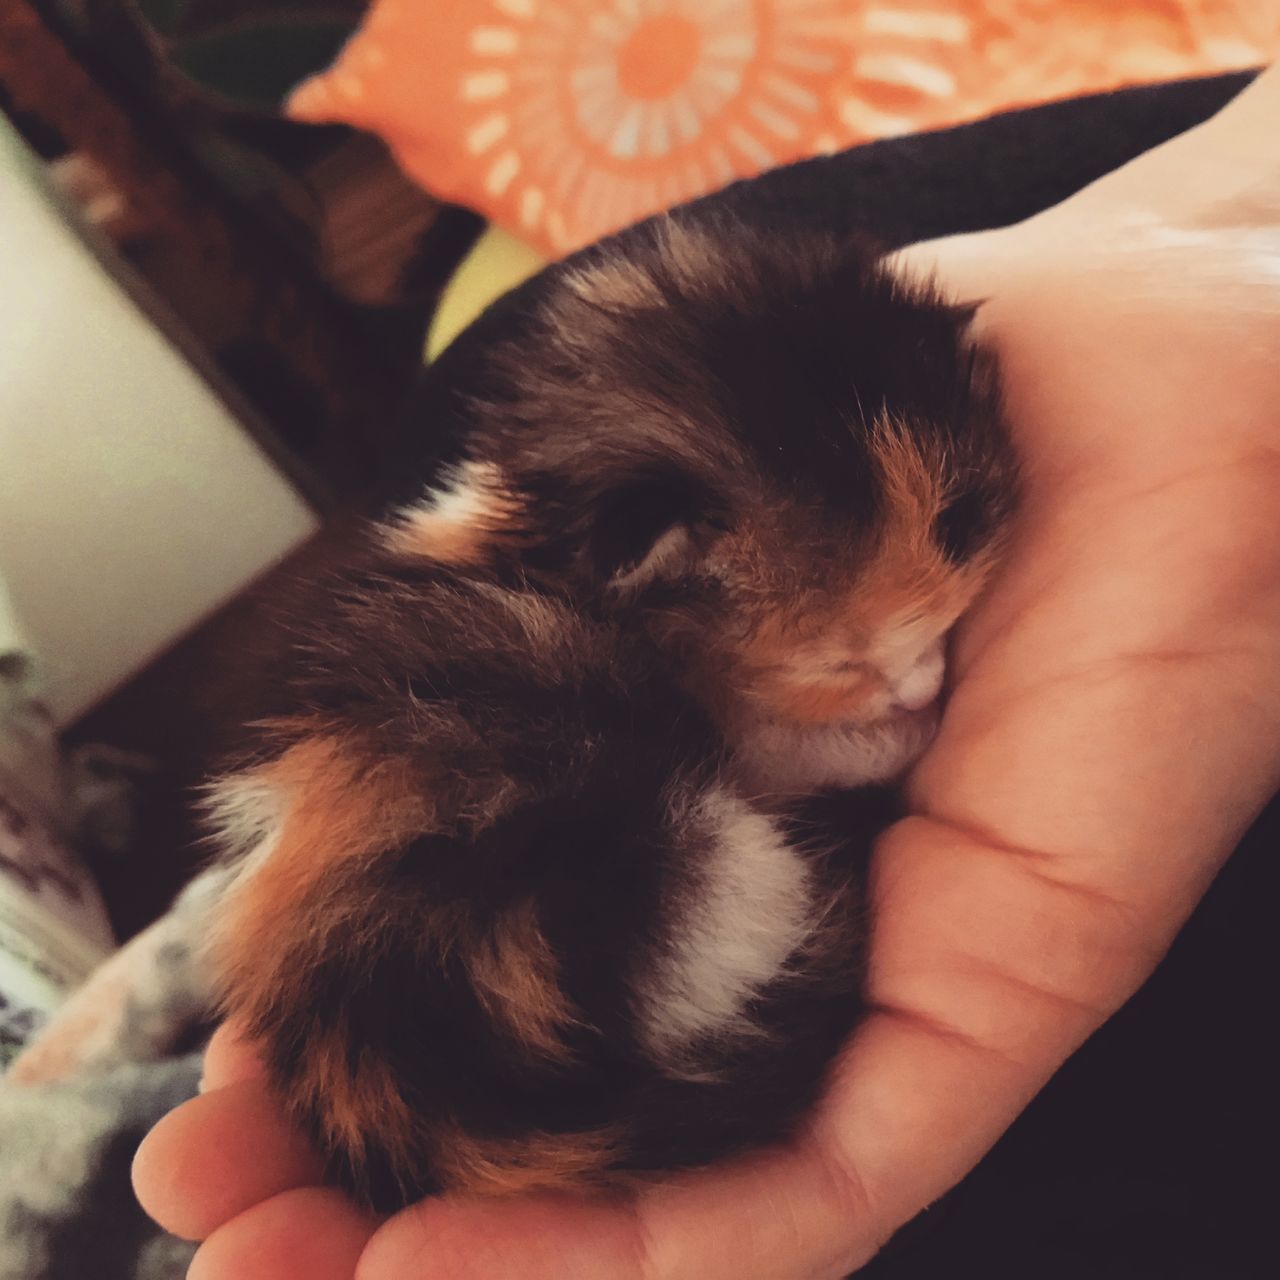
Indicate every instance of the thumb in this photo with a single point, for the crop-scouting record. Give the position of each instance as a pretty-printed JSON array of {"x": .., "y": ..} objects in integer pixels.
[{"x": 777, "y": 1216}]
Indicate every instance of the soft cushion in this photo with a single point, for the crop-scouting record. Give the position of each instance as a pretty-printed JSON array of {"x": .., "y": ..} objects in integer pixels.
[{"x": 561, "y": 120}]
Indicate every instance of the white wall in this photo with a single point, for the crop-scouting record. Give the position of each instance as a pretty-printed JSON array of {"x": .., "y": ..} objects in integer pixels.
[{"x": 131, "y": 502}]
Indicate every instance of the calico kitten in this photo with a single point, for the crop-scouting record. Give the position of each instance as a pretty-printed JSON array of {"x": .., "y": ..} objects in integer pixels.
[
  {"x": 512, "y": 905},
  {"x": 791, "y": 461}
]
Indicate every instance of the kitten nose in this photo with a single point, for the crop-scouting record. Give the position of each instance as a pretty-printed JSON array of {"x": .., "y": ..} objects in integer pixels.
[{"x": 922, "y": 682}]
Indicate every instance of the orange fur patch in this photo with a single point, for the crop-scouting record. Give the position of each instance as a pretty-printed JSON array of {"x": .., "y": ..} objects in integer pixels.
[
  {"x": 516, "y": 979},
  {"x": 907, "y": 573},
  {"x": 618, "y": 284},
  {"x": 821, "y": 658},
  {"x": 540, "y": 1161},
  {"x": 355, "y": 1103},
  {"x": 694, "y": 257},
  {"x": 614, "y": 284},
  {"x": 463, "y": 524},
  {"x": 361, "y": 1106},
  {"x": 337, "y": 807},
  {"x": 816, "y": 702}
]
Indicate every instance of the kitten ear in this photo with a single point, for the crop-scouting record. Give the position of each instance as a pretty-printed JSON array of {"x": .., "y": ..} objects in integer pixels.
[
  {"x": 460, "y": 522},
  {"x": 964, "y": 312},
  {"x": 641, "y": 531}
]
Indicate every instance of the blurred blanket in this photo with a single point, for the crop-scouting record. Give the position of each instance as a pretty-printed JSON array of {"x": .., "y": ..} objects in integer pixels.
[{"x": 69, "y": 1121}]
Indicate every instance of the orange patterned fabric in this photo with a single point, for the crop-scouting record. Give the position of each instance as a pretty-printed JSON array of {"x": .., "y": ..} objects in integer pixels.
[{"x": 562, "y": 120}]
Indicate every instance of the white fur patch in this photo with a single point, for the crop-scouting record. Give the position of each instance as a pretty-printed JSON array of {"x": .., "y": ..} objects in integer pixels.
[
  {"x": 247, "y": 814},
  {"x": 466, "y": 498},
  {"x": 921, "y": 682},
  {"x": 472, "y": 496},
  {"x": 750, "y": 909}
]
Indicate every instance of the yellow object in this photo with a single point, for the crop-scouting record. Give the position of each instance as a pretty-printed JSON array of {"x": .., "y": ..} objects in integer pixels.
[{"x": 496, "y": 264}]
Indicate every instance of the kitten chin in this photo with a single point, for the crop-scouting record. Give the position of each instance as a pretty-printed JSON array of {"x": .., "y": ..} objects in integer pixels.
[{"x": 779, "y": 757}]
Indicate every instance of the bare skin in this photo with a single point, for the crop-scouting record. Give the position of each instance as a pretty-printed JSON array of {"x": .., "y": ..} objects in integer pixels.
[{"x": 1113, "y": 730}]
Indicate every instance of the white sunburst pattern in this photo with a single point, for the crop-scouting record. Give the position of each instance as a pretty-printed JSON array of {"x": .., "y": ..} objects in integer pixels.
[
  {"x": 568, "y": 131},
  {"x": 902, "y": 71},
  {"x": 627, "y": 126},
  {"x": 565, "y": 119}
]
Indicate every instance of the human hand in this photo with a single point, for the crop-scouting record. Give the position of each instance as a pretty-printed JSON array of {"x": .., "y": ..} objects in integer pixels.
[{"x": 1113, "y": 728}]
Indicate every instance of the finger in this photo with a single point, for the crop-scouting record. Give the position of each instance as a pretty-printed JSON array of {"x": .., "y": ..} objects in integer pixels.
[
  {"x": 311, "y": 1233},
  {"x": 774, "y": 1215},
  {"x": 1007, "y": 930},
  {"x": 532, "y": 1237},
  {"x": 217, "y": 1155},
  {"x": 985, "y": 976},
  {"x": 229, "y": 1058},
  {"x": 1127, "y": 758}
]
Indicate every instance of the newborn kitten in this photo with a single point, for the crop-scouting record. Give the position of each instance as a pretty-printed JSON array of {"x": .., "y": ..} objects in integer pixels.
[
  {"x": 791, "y": 462},
  {"x": 511, "y": 907}
]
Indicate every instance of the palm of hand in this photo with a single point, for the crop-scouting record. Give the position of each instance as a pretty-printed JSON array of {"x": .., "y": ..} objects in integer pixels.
[{"x": 1112, "y": 731}]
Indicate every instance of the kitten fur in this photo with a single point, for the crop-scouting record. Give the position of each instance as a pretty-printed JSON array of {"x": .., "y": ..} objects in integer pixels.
[
  {"x": 502, "y": 917},
  {"x": 515, "y": 903},
  {"x": 791, "y": 460}
]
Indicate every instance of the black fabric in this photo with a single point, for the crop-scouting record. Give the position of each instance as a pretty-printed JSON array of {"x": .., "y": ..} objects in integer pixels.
[{"x": 987, "y": 174}]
